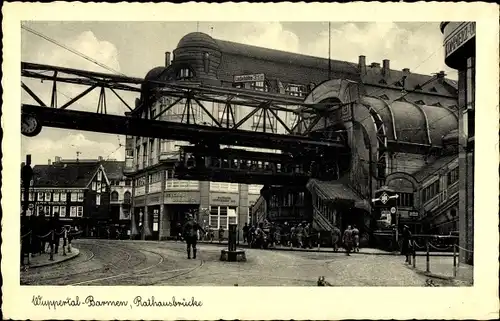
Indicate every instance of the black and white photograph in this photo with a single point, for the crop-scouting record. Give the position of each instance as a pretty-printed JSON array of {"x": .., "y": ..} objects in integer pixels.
[{"x": 254, "y": 154}]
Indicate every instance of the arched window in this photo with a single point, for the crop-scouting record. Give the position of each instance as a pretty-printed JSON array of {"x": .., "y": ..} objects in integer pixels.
[
  {"x": 126, "y": 197},
  {"x": 185, "y": 73},
  {"x": 114, "y": 196}
]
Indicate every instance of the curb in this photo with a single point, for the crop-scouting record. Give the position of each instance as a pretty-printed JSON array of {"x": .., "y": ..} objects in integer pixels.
[{"x": 63, "y": 259}]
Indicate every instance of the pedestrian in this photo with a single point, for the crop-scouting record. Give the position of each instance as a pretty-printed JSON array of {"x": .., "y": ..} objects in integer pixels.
[
  {"x": 348, "y": 239},
  {"x": 221, "y": 234},
  {"x": 190, "y": 230},
  {"x": 179, "y": 232},
  {"x": 245, "y": 233},
  {"x": 335, "y": 238},
  {"x": 407, "y": 247},
  {"x": 272, "y": 234},
  {"x": 285, "y": 234},
  {"x": 355, "y": 234},
  {"x": 299, "y": 231},
  {"x": 251, "y": 234}
]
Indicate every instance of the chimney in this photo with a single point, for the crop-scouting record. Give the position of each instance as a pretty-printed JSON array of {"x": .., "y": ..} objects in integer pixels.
[
  {"x": 406, "y": 72},
  {"x": 57, "y": 159},
  {"x": 386, "y": 67},
  {"x": 362, "y": 65},
  {"x": 167, "y": 58},
  {"x": 440, "y": 74},
  {"x": 50, "y": 163},
  {"x": 100, "y": 158}
]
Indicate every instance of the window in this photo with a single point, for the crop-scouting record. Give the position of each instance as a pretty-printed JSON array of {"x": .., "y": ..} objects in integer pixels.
[
  {"x": 145, "y": 154},
  {"x": 80, "y": 196},
  {"x": 405, "y": 200},
  {"x": 40, "y": 196},
  {"x": 56, "y": 197},
  {"x": 99, "y": 176},
  {"x": 47, "y": 197},
  {"x": 126, "y": 197},
  {"x": 72, "y": 211},
  {"x": 452, "y": 176},
  {"x": 98, "y": 187},
  {"x": 98, "y": 199},
  {"x": 219, "y": 217},
  {"x": 47, "y": 210},
  {"x": 94, "y": 186},
  {"x": 114, "y": 196},
  {"x": 296, "y": 90},
  {"x": 430, "y": 191},
  {"x": 128, "y": 182},
  {"x": 40, "y": 210},
  {"x": 74, "y": 196},
  {"x": 129, "y": 152},
  {"x": 62, "y": 211},
  {"x": 185, "y": 73},
  {"x": 55, "y": 210},
  {"x": 79, "y": 211},
  {"x": 470, "y": 92},
  {"x": 259, "y": 86},
  {"x": 22, "y": 195},
  {"x": 63, "y": 197},
  {"x": 31, "y": 197}
]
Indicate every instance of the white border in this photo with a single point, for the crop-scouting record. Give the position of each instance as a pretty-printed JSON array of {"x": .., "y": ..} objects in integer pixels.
[{"x": 478, "y": 302}]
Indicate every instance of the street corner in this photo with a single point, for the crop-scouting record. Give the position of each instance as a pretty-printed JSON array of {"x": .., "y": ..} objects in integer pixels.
[{"x": 43, "y": 259}]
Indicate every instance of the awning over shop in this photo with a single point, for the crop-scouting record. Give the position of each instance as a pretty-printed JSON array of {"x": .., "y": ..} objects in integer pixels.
[{"x": 337, "y": 192}]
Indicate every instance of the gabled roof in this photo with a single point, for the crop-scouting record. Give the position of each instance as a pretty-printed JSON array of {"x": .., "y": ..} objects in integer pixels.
[
  {"x": 69, "y": 175},
  {"x": 113, "y": 170}
]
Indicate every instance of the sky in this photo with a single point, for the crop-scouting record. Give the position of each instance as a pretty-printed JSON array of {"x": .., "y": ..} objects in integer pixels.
[{"x": 133, "y": 48}]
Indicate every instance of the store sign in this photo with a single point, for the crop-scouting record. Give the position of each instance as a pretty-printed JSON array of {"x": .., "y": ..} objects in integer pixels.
[
  {"x": 153, "y": 199},
  {"x": 182, "y": 198},
  {"x": 139, "y": 201},
  {"x": 413, "y": 213},
  {"x": 51, "y": 190},
  {"x": 249, "y": 78},
  {"x": 224, "y": 199},
  {"x": 459, "y": 37}
]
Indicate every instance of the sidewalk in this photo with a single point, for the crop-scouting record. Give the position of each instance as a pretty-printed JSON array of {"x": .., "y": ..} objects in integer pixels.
[
  {"x": 369, "y": 251},
  {"x": 442, "y": 268},
  {"x": 39, "y": 260}
]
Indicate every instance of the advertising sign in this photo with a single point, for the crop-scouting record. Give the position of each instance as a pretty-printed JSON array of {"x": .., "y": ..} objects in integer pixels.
[
  {"x": 249, "y": 78},
  {"x": 182, "y": 198},
  {"x": 459, "y": 37},
  {"x": 224, "y": 199}
]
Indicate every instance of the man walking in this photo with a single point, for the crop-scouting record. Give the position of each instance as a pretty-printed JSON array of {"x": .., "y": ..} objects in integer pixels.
[
  {"x": 190, "y": 235},
  {"x": 348, "y": 240},
  {"x": 355, "y": 234},
  {"x": 335, "y": 238}
]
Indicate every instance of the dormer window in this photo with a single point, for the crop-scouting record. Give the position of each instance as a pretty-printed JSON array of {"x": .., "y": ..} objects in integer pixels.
[
  {"x": 398, "y": 84},
  {"x": 259, "y": 86},
  {"x": 383, "y": 82},
  {"x": 418, "y": 87},
  {"x": 296, "y": 90},
  {"x": 185, "y": 73},
  {"x": 420, "y": 102},
  {"x": 433, "y": 89},
  {"x": 437, "y": 104}
]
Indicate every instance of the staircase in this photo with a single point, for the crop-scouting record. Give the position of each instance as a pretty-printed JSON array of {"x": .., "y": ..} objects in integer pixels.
[
  {"x": 259, "y": 212},
  {"x": 322, "y": 222}
]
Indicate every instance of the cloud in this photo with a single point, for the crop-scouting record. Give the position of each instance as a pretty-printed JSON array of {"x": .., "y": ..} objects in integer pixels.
[
  {"x": 262, "y": 34},
  {"x": 418, "y": 49},
  {"x": 45, "y": 147}
]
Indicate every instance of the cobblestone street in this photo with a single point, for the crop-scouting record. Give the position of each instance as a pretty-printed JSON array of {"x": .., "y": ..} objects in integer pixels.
[{"x": 103, "y": 262}]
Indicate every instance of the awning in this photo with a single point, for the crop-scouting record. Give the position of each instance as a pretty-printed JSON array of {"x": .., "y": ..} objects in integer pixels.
[{"x": 337, "y": 192}]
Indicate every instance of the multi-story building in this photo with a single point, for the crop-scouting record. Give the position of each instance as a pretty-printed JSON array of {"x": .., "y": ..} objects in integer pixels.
[
  {"x": 78, "y": 191},
  {"x": 404, "y": 116},
  {"x": 460, "y": 54},
  {"x": 120, "y": 192}
]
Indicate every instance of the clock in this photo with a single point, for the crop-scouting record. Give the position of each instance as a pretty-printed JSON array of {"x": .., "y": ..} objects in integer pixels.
[{"x": 30, "y": 126}]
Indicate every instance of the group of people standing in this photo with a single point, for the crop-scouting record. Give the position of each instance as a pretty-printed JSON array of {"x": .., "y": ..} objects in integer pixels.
[
  {"x": 350, "y": 239},
  {"x": 301, "y": 235}
]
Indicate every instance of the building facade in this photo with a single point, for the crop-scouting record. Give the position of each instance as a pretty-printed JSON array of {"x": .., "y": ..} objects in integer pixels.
[
  {"x": 460, "y": 54},
  {"x": 396, "y": 127},
  {"x": 77, "y": 191}
]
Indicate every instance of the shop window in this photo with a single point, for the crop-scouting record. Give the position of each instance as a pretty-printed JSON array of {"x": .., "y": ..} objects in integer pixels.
[
  {"x": 405, "y": 200},
  {"x": 219, "y": 217},
  {"x": 452, "y": 176}
]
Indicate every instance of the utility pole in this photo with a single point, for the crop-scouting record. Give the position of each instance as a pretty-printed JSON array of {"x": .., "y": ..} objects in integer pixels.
[{"x": 329, "y": 51}]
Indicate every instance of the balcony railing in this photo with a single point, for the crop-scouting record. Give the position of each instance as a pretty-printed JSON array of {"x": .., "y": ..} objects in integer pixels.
[
  {"x": 177, "y": 184},
  {"x": 223, "y": 187}
]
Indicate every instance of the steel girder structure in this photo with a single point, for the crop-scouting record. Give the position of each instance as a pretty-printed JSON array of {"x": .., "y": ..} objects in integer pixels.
[{"x": 141, "y": 122}]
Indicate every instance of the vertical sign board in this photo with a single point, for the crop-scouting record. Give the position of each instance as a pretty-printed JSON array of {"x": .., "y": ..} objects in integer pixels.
[{"x": 155, "y": 220}]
